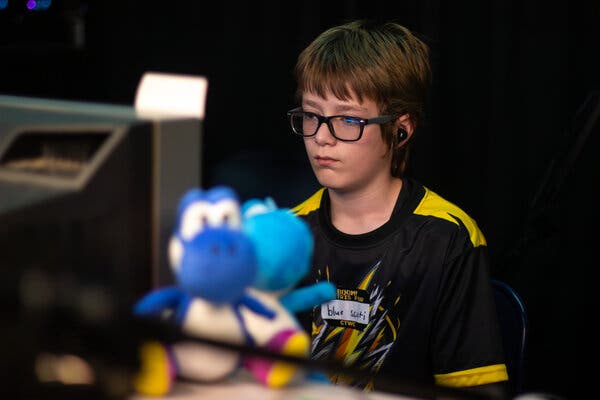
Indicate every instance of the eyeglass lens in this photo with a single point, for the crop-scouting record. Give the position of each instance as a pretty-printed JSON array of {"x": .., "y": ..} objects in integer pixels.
[{"x": 344, "y": 128}]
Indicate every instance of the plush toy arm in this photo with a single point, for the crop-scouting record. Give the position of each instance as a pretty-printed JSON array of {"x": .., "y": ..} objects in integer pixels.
[
  {"x": 258, "y": 307},
  {"x": 159, "y": 300},
  {"x": 305, "y": 298}
]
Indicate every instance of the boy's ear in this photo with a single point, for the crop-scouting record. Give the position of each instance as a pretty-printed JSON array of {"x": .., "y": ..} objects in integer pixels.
[{"x": 404, "y": 129}]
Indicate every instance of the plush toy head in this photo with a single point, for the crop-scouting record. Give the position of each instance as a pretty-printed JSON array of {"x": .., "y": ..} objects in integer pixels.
[
  {"x": 209, "y": 254},
  {"x": 283, "y": 244}
]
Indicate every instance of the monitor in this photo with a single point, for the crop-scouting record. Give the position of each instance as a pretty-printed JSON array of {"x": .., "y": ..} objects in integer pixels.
[{"x": 88, "y": 195}]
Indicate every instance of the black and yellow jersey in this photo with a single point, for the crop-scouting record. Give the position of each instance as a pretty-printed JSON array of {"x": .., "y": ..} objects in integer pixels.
[{"x": 414, "y": 299}]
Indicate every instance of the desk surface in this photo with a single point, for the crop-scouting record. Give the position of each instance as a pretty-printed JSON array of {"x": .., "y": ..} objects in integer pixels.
[{"x": 241, "y": 387}]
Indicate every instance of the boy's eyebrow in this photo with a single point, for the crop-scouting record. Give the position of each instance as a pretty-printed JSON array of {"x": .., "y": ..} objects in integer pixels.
[
  {"x": 309, "y": 103},
  {"x": 348, "y": 107},
  {"x": 341, "y": 108}
]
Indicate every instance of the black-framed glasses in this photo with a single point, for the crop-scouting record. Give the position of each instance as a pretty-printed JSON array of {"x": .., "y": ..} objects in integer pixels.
[{"x": 342, "y": 127}]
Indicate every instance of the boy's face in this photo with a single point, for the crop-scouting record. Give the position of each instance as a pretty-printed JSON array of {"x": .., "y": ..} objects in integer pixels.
[{"x": 346, "y": 166}]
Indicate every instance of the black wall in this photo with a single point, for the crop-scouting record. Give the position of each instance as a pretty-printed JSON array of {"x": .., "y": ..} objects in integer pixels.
[{"x": 509, "y": 78}]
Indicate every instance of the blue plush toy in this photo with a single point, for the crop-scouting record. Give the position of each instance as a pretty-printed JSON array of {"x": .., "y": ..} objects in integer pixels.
[
  {"x": 283, "y": 243},
  {"x": 235, "y": 278},
  {"x": 214, "y": 263}
]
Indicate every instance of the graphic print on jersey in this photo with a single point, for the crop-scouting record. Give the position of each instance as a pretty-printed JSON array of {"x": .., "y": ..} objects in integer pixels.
[{"x": 358, "y": 328}]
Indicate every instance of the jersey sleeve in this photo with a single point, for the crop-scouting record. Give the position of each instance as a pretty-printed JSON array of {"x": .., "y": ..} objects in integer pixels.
[{"x": 466, "y": 345}]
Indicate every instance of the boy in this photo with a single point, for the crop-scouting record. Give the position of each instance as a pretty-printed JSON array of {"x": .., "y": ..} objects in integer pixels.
[{"x": 414, "y": 298}]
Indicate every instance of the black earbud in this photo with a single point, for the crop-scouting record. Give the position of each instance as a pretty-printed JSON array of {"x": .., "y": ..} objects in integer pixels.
[{"x": 402, "y": 134}]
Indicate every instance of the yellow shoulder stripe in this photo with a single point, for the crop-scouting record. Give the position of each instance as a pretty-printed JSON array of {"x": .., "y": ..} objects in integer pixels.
[
  {"x": 436, "y": 206},
  {"x": 310, "y": 204},
  {"x": 473, "y": 377}
]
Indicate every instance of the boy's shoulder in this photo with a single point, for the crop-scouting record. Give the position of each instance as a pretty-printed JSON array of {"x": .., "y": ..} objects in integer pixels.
[
  {"x": 310, "y": 204},
  {"x": 423, "y": 201},
  {"x": 434, "y": 205}
]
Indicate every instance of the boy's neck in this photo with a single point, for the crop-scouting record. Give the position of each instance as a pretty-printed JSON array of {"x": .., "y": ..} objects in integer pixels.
[{"x": 364, "y": 211}]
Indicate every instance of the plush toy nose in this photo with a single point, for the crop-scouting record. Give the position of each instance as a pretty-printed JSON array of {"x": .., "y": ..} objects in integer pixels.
[{"x": 218, "y": 265}]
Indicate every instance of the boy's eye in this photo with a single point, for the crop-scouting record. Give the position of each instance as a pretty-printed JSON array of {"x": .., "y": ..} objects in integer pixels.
[{"x": 350, "y": 120}]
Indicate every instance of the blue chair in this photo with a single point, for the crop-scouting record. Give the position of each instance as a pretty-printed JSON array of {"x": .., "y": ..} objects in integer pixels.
[{"x": 512, "y": 316}]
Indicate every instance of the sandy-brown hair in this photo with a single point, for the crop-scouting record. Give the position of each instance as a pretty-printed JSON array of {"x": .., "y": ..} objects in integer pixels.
[{"x": 384, "y": 62}]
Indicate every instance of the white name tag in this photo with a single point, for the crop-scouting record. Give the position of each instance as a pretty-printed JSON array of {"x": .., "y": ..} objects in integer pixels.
[{"x": 346, "y": 310}]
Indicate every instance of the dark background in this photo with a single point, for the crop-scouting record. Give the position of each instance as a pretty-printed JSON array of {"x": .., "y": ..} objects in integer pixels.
[{"x": 505, "y": 136}]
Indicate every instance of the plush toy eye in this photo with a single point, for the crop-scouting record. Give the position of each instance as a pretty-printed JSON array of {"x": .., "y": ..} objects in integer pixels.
[
  {"x": 225, "y": 213},
  {"x": 255, "y": 209},
  {"x": 195, "y": 218}
]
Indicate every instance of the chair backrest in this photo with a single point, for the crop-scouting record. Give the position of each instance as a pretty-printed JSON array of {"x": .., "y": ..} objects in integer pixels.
[{"x": 512, "y": 316}]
